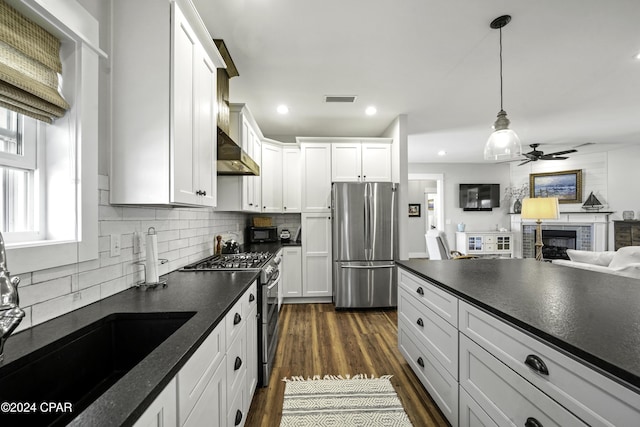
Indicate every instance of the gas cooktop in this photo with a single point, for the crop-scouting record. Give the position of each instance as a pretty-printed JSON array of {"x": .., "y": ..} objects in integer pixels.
[{"x": 241, "y": 261}]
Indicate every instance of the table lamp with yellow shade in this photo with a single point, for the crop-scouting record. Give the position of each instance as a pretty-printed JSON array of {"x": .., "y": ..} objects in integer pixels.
[{"x": 540, "y": 208}]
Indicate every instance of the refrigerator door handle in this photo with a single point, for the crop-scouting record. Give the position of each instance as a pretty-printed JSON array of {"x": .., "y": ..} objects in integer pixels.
[
  {"x": 367, "y": 267},
  {"x": 367, "y": 222}
]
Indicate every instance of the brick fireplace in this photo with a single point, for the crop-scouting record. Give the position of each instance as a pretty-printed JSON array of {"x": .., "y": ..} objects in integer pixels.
[{"x": 573, "y": 230}]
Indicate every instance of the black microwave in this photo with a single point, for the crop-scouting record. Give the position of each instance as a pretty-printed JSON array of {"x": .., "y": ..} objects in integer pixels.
[{"x": 263, "y": 234}]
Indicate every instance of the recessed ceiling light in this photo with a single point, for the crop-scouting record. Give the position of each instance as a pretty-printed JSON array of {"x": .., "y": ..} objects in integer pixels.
[
  {"x": 442, "y": 153},
  {"x": 282, "y": 109},
  {"x": 637, "y": 55},
  {"x": 371, "y": 110}
]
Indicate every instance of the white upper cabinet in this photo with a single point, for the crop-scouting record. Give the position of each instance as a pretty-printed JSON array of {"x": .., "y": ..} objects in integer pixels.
[
  {"x": 376, "y": 161},
  {"x": 360, "y": 161},
  {"x": 291, "y": 184},
  {"x": 164, "y": 105},
  {"x": 271, "y": 178},
  {"x": 346, "y": 163},
  {"x": 316, "y": 177},
  {"x": 242, "y": 193}
]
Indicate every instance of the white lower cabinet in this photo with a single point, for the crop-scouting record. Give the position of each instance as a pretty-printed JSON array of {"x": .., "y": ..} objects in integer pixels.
[
  {"x": 216, "y": 385},
  {"x": 316, "y": 255},
  {"x": 505, "y": 395},
  {"x": 471, "y": 414},
  {"x": 493, "y": 374},
  {"x": 162, "y": 411},
  {"x": 292, "y": 272}
]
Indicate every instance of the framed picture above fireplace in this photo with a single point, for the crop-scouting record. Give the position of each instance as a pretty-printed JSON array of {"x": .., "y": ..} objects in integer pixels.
[{"x": 566, "y": 185}]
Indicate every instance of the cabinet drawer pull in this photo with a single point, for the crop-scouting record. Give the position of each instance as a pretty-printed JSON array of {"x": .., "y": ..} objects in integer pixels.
[
  {"x": 251, "y": 298},
  {"x": 238, "y": 419},
  {"x": 237, "y": 319},
  {"x": 535, "y": 363},
  {"x": 420, "y": 322},
  {"x": 420, "y": 291},
  {"x": 237, "y": 364},
  {"x": 532, "y": 422},
  {"x": 420, "y": 361}
]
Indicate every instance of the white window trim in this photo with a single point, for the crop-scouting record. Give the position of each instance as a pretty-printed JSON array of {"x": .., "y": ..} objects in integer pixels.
[{"x": 69, "y": 20}]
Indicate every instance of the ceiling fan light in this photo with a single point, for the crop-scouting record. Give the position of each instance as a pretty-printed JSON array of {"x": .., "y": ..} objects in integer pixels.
[{"x": 503, "y": 144}]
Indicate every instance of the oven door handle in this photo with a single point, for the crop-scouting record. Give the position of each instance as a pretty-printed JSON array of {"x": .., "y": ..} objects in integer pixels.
[
  {"x": 274, "y": 278},
  {"x": 273, "y": 283}
]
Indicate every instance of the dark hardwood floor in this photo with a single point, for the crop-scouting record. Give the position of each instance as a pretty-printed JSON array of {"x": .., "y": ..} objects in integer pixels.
[{"x": 315, "y": 339}]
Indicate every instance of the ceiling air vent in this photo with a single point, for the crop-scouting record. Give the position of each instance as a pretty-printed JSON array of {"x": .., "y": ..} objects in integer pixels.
[{"x": 340, "y": 98}]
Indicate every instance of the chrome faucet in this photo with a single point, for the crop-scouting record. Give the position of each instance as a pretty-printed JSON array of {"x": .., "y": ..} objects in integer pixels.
[{"x": 10, "y": 312}]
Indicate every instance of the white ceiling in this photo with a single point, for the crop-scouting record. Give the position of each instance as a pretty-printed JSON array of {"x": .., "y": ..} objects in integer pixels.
[{"x": 570, "y": 72}]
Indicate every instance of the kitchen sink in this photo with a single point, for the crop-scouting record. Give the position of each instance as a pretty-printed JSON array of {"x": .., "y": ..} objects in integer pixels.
[{"x": 75, "y": 370}]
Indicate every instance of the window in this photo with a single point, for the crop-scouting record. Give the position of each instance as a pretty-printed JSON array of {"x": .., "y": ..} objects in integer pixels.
[
  {"x": 18, "y": 187},
  {"x": 55, "y": 163}
]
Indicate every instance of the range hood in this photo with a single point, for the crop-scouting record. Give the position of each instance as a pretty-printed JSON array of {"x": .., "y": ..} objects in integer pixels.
[{"x": 232, "y": 159}]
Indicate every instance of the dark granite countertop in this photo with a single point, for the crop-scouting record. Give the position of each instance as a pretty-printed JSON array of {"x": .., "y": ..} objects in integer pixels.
[
  {"x": 594, "y": 317},
  {"x": 209, "y": 294}
]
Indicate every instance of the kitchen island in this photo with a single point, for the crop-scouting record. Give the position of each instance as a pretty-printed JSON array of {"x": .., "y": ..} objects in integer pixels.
[
  {"x": 583, "y": 321},
  {"x": 207, "y": 295}
]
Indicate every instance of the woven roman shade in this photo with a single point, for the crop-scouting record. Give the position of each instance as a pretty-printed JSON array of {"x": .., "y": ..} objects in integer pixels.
[{"x": 30, "y": 67}]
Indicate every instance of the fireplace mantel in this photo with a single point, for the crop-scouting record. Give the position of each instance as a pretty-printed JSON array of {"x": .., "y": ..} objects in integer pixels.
[{"x": 598, "y": 221}]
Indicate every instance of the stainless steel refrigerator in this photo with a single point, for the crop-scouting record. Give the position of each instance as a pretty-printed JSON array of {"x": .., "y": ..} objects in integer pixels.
[{"x": 364, "y": 244}]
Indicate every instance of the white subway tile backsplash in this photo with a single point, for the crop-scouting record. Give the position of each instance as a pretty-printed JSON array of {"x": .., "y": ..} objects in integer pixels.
[
  {"x": 185, "y": 235},
  {"x": 39, "y": 292}
]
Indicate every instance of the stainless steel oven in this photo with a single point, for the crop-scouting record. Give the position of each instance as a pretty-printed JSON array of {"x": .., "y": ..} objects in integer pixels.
[
  {"x": 269, "y": 284},
  {"x": 268, "y": 330}
]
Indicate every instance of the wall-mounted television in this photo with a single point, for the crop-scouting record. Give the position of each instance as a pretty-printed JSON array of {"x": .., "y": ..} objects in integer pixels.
[{"x": 479, "y": 197}]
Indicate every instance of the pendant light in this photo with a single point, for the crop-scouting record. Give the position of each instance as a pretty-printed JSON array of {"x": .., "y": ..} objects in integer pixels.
[{"x": 503, "y": 144}]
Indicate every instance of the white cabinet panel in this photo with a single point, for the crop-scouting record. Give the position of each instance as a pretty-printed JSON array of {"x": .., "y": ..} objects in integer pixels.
[
  {"x": 292, "y": 272},
  {"x": 505, "y": 396},
  {"x": 316, "y": 177},
  {"x": 316, "y": 259},
  {"x": 162, "y": 411},
  {"x": 376, "y": 162},
  {"x": 346, "y": 164},
  {"x": 291, "y": 180},
  {"x": 211, "y": 406},
  {"x": 271, "y": 171}
]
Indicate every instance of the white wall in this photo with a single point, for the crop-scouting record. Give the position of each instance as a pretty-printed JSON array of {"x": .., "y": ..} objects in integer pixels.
[
  {"x": 398, "y": 131},
  {"x": 466, "y": 173},
  {"x": 418, "y": 225}
]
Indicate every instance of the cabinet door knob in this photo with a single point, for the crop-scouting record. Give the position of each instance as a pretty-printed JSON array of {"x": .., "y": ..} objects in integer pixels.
[
  {"x": 535, "y": 363},
  {"x": 250, "y": 204},
  {"x": 285, "y": 208},
  {"x": 420, "y": 291},
  {"x": 237, "y": 364},
  {"x": 237, "y": 319},
  {"x": 420, "y": 322},
  {"x": 532, "y": 422},
  {"x": 420, "y": 361},
  {"x": 198, "y": 192},
  {"x": 204, "y": 193},
  {"x": 238, "y": 419},
  {"x": 251, "y": 298}
]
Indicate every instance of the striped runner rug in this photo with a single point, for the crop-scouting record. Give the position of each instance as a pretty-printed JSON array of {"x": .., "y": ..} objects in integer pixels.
[{"x": 361, "y": 400}]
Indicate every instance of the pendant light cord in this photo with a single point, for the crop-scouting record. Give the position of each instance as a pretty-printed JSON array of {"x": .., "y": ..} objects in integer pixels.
[{"x": 501, "y": 109}]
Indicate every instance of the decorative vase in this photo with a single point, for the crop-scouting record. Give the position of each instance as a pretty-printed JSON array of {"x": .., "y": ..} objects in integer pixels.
[{"x": 517, "y": 206}]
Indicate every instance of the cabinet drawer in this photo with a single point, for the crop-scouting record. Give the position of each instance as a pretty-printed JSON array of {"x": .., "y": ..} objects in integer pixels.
[
  {"x": 507, "y": 397},
  {"x": 251, "y": 300},
  {"x": 593, "y": 397},
  {"x": 237, "y": 362},
  {"x": 235, "y": 319},
  {"x": 489, "y": 238},
  {"x": 435, "y": 334},
  {"x": 442, "y": 303},
  {"x": 196, "y": 373},
  {"x": 471, "y": 414},
  {"x": 490, "y": 247},
  {"x": 236, "y": 415},
  {"x": 440, "y": 385}
]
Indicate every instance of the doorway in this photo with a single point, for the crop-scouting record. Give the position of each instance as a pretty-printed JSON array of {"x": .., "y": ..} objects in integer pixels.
[{"x": 426, "y": 190}]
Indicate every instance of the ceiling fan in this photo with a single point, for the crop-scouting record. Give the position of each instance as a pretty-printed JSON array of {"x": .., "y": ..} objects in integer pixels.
[{"x": 535, "y": 155}]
